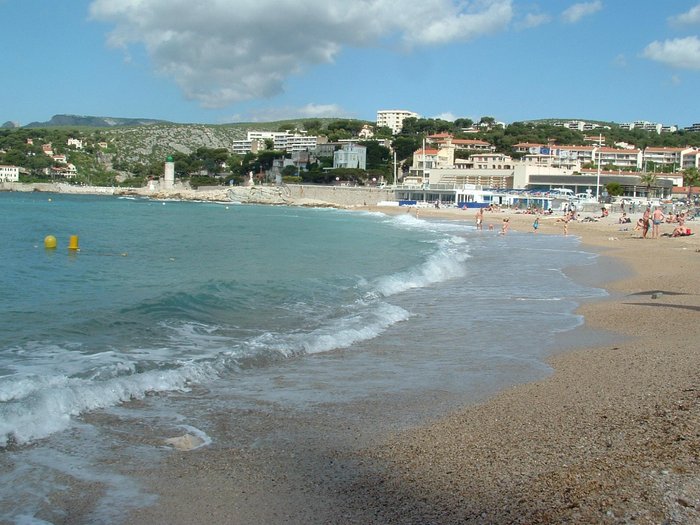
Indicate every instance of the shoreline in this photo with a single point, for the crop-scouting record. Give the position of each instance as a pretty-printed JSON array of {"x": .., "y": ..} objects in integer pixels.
[{"x": 612, "y": 436}]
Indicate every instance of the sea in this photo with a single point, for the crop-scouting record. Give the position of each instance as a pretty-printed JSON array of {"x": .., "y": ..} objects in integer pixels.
[{"x": 171, "y": 313}]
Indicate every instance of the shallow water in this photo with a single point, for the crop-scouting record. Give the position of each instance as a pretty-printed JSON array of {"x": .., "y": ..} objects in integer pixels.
[{"x": 174, "y": 312}]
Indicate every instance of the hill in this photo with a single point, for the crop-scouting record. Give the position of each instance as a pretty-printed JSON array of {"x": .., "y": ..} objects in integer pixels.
[{"x": 92, "y": 122}]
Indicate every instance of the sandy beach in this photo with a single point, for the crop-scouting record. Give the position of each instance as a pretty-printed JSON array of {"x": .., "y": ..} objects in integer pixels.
[{"x": 612, "y": 436}]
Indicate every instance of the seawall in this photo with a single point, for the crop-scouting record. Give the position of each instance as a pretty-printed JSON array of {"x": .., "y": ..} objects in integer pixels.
[{"x": 292, "y": 194}]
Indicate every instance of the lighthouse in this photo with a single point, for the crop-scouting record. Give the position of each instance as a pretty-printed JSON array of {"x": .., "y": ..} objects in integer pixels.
[{"x": 169, "y": 174}]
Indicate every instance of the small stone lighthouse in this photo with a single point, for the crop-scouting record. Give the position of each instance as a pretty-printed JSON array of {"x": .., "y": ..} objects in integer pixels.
[{"x": 169, "y": 174}]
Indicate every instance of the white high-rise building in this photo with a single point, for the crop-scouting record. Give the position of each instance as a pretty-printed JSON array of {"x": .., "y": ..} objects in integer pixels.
[{"x": 393, "y": 118}]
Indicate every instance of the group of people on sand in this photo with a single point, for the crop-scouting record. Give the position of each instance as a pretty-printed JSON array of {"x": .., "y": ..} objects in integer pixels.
[
  {"x": 480, "y": 220},
  {"x": 650, "y": 220},
  {"x": 656, "y": 218}
]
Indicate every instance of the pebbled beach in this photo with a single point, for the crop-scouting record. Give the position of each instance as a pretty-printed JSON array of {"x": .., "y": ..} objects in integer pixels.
[{"x": 612, "y": 436}]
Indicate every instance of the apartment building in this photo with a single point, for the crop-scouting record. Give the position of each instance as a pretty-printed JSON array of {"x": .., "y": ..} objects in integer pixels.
[
  {"x": 691, "y": 160},
  {"x": 621, "y": 158},
  {"x": 282, "y": 140},
  {"x": 393, "y": 118},
  {"x": 666, "y": 156},
  {"x": 649, "y": 126},
  {"x": 9, "y": 173}
]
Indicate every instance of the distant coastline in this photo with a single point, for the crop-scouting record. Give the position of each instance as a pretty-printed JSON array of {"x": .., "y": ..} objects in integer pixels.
[{"x": 290, "y": 195}]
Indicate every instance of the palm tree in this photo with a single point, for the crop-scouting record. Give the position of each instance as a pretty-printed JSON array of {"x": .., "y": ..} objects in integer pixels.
[
  {"x": 691, "y": 177},
  {"x": 648, "y": 178}
]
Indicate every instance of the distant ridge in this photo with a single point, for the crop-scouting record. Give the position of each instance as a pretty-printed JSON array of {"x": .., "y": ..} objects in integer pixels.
[{"x": 93, "y": 122}]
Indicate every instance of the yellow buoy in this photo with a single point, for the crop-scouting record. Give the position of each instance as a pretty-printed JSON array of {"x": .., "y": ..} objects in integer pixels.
[
  {"x": 49, "y": 242},
  {"x": 73, "y": 243}
]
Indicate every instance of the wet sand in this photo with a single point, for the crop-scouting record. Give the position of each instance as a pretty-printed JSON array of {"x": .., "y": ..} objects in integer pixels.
[{"x": 613, "y": 436}]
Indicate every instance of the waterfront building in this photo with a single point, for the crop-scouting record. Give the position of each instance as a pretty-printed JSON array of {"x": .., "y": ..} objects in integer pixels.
[
  {"x": 9, "y": 173},
  {"x": 350, "y": 156}
]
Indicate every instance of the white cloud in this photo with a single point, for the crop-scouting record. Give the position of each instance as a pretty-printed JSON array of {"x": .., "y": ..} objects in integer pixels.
[
  {"x": 534, "y": 20},
  {"x": 449, "y": 117},
  {"x": 288, "y": 112},
  {"x": 221, "y": 52},
  {"x": 577, "y": 11},
  {"x": 691, "y": 17},
  {"x": 682, "y": 53}
]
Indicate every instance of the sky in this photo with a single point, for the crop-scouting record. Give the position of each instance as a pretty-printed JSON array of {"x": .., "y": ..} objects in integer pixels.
[{"x": 223, "y": 61}]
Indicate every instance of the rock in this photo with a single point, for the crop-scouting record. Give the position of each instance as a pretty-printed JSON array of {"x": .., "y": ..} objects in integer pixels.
[{"x": 185, "y": 443}]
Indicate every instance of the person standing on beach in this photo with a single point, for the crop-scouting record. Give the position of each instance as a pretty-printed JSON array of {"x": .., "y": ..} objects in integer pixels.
[
  {"x": 480, "y": 219},
  {"x": 656, "y": 219},
  {"x": 536, "y": 225},
  {"x": 645, "y": 222}
]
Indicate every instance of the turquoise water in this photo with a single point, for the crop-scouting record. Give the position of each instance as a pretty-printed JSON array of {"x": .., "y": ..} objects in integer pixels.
[{"x": 166, "y": 302}]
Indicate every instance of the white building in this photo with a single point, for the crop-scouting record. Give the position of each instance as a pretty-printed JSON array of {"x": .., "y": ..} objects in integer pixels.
[
  {"x": 296, "y": 142},
  {"x": 350, "y": 156},
  {"x": 282, "y": 140},
  {"x": 9, "y": 173},
  {"x": 393, "y": 118},
  {"x": 674, "y": 157}
]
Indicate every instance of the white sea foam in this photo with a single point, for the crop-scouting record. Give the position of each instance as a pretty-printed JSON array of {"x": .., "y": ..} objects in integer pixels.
[
  {"x": 55, "y": 400},
  {"x": 364, "y": 324},
  {"x": 448, "y": 262}
]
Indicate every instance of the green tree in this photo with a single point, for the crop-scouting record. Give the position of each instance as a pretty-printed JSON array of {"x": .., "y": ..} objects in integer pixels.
[
  {"x": 383, "y": 132},
  {"x": 462, "y": 123},
  {"x": 691, "y": 177},
  {"x": 614, "y": 188},
  {"x": 289, "y": 171},
  {"x": 648, "y": 179},
  {"x": 405, "y": 146},
  {"x": 313, "y": 125},
  {"x": 378, "y": 156}
]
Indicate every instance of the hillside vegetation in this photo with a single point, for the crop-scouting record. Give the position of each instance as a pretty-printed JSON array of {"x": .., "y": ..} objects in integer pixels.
[{"x": 129, "y": 151}]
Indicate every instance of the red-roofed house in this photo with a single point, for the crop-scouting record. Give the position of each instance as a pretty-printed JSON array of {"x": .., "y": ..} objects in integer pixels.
[{"x": 445, "y": 139}]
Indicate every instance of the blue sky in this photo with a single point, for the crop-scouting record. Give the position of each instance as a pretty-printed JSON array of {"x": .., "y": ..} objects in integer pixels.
[{"x": 220, "y": 61}]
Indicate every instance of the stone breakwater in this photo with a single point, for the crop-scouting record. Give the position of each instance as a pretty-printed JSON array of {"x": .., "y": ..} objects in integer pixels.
[{"x": 290, "y": 195}]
